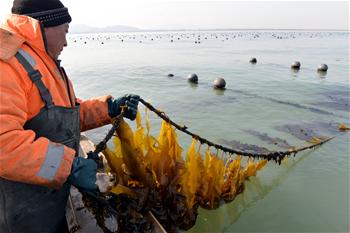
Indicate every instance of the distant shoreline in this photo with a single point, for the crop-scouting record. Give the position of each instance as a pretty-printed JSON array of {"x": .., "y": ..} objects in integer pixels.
[
  {"x": 204, "y": 30},
  {"x": 82, "y": 28},
  {"x": 249, "y": 29}
]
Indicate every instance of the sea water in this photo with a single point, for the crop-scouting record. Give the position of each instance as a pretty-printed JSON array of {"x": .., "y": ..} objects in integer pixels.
[{"x": 308, "y": 194}]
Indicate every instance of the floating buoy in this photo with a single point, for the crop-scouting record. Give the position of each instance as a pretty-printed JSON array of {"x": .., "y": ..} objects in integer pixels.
[
  {"x": 295, "y": 65},
  {"x": 219, "y": 83},
  {"x": 322, "y": 68},
  {"x": 253, "y": 60},
  {"x": 193, "y": 78},
  {"x": 170, "y": 75}
]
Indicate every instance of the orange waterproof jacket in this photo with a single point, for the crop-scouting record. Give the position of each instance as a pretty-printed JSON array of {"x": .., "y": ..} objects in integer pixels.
[{"x": 21, "y": 156}]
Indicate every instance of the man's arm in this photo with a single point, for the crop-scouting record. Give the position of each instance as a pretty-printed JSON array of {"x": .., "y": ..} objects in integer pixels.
[
  {"x": 94, "y": 113},
  {"x": 22, "y": 158}
]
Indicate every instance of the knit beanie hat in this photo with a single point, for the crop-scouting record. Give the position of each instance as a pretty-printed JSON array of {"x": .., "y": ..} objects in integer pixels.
[{"x": 49, "y": 12}]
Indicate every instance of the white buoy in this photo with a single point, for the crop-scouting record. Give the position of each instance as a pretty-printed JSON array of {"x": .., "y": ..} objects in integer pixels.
[
  {"x": 219, "y": 83},
  {"x": 322, "y": 68}
]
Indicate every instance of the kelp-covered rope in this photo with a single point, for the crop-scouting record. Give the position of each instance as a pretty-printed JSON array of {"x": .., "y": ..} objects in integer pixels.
[
  {"x": 149, "y": 176},
  {"x": 115, "y": 124},
  {"x": 103, "y": 144},
  {"x": 276, "y": 155}
]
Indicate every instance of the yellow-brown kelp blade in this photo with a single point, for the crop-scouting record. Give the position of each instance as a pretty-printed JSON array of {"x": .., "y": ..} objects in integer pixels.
[{"x": 177, "y": 186}]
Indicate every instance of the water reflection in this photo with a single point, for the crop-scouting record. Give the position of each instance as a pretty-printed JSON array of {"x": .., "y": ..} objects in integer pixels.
[
  {"x": 322, "y": 74},
  {"x": 193, "y": 85},
  {"x": 294, "y": 72},
  {"x": 219, "y": 92}
]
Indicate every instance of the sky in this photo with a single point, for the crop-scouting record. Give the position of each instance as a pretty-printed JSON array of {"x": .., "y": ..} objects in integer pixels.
[{"x": 197, "y": 14}]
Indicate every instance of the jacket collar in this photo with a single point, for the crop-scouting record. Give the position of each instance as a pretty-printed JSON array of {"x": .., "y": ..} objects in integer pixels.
[{"x": 29, "y": 30}]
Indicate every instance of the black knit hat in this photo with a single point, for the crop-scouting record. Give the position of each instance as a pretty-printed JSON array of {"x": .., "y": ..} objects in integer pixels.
[{"x": 49, "y": 12}]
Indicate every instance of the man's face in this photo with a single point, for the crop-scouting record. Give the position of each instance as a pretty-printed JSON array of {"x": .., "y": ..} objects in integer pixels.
[{"x": 56, "y": 39}]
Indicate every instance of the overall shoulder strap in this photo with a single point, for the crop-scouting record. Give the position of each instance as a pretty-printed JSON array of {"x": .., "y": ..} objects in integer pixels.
[{"x": 28, "y": 64}]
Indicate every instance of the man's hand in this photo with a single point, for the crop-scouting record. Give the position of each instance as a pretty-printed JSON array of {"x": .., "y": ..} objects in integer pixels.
[
  {"x": 83, "y": 175},
  {"x": 129, "y": 101}
]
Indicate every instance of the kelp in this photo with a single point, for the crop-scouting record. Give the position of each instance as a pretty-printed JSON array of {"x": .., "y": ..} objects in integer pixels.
[
  {"x": 153, "y": 175},
  {"x": 300, "y": 132},
  {"x": 170, "y": 186},
  {"x": 271, "y": 140},
  {"x": 251, "y": 148},
  {"x": 343, "y": 127}
]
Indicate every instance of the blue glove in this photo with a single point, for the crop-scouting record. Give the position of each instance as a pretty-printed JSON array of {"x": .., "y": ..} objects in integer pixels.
[
  {"x": 83, "y": 175},
  {"x": 130, "y": 101}
]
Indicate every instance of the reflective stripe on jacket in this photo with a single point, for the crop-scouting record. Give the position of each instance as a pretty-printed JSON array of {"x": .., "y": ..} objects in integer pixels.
[{"x": 22, "y": 157}]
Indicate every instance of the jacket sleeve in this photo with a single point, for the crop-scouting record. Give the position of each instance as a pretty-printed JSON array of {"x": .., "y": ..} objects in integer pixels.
[
  {"x": 22, "y": 158},
  {"x": 94, "y": 113}
]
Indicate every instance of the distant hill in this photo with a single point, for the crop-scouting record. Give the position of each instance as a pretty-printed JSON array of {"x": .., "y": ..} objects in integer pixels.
[{"x": 81, "y": 28}]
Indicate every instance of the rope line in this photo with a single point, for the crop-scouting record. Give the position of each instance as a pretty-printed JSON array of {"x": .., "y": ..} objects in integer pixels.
[
  {"x": 115, "y": 124},
  {"x": 276, "y": 155}
]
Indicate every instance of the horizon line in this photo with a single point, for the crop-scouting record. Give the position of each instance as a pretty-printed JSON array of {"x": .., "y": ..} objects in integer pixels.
[
  {"x": 213, "y": 29},
  {"x": 217, "y": 29},
  {"x": 251, "y": 29}
]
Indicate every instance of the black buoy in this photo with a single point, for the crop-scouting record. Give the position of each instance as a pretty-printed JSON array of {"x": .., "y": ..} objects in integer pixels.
[
  {"x": 170, "y": 75},
  {"x": 219, "y": 83},
  {"x": 295, "y": 65},
  {"x": 253, "y": 60},
  {"x": 322, "y": 68},
  {"x": 192, "y": 78}
]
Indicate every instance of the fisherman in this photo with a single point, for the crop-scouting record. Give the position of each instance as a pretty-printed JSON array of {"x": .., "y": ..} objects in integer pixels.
[{"x": 41, "y": 120}]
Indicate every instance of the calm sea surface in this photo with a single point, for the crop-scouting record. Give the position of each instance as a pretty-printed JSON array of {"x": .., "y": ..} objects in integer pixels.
[{"x": 311, "y": 192}]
